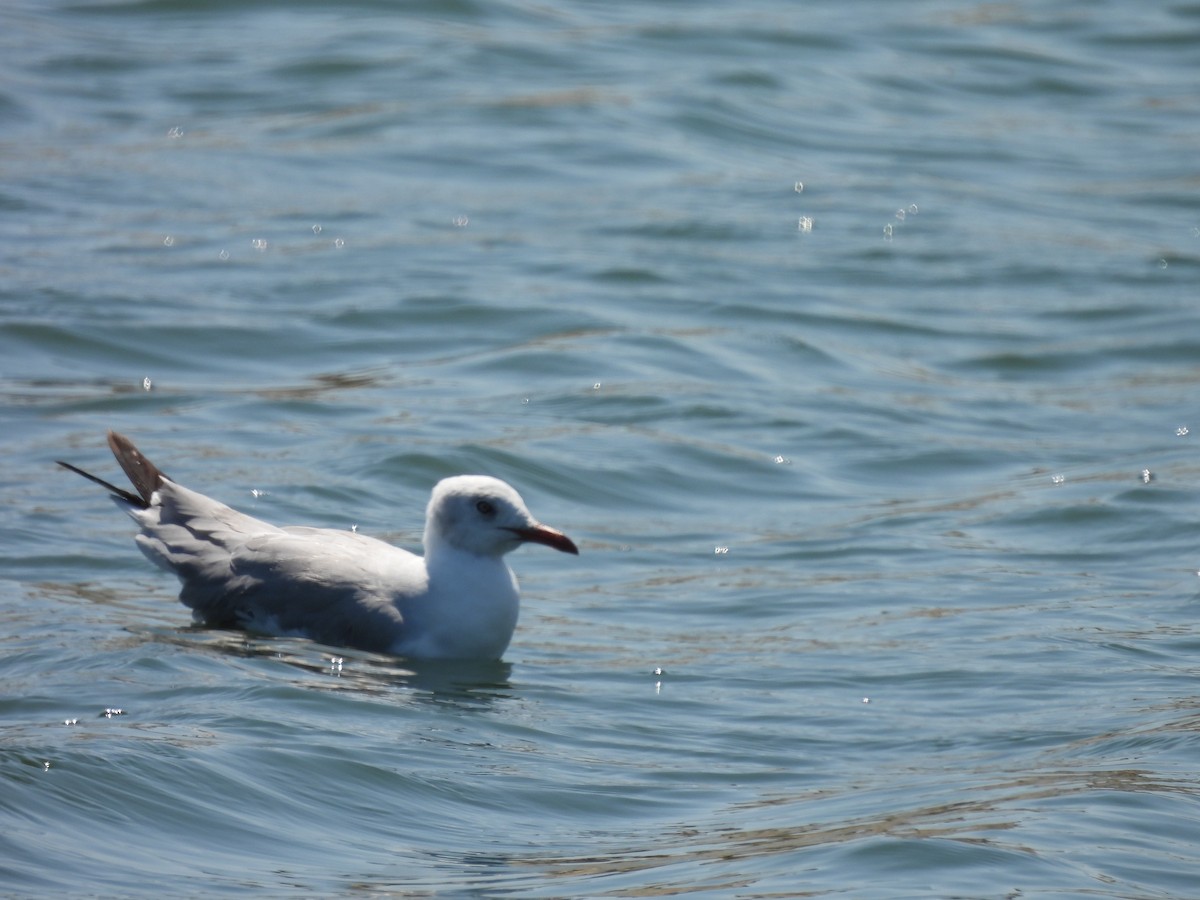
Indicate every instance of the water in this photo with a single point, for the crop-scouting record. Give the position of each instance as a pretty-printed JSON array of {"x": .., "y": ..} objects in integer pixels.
[{"x": 855, "y": 343}]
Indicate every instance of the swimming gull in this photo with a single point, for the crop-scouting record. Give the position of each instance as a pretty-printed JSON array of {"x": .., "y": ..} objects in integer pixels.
[{"x": 459, "y": 601}]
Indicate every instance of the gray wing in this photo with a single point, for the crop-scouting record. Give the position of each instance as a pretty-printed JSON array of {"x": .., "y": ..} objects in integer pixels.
[
  {"x": 335, "y": 587},
  {"x": 192, "y": 535}
]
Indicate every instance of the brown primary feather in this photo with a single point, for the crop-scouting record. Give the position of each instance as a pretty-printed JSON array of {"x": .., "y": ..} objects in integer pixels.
[{"x": 144, "y": 475}]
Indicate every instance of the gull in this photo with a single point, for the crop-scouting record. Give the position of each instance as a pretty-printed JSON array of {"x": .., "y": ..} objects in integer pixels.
[{"x": 459, "y": 601}]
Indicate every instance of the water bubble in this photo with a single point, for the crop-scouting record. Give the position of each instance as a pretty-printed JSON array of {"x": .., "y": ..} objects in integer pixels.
[
  {"x": 524, "y": 401},
  {"x": 805, "y": 224},
  {"x": 720, "y": 551},
  {"x": 866, "y": 700},
  {"x": 256, "y": 493},
  {"x": 596, "y": 386},
  {"x": 339, "y": 243},
  {"x": 168, "y": 241},
  {"x": 1181, "y": 431},
  {"x": 224, "y": 254},
  {"x": 259, "y": 243},
  {"x": 316, "y": 229},
  {"x": 461, "y": 221},
  {"x": 900, "y": 214},
  {"x": 799, "y": 187},
  {"x": 175, "y": 132},
  {"x": 1162, "y": 263},
  {"x": 782, "y": 461},
  {"x": 887, "y": 231},
  {"x": 1058, "y": 479},
  {"x": 147, "y": 384}
]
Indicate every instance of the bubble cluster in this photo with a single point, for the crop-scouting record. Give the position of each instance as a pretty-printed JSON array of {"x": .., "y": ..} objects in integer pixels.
[
  {"x": 804, "y": 224},
  {"x": 901, "y": 215}
]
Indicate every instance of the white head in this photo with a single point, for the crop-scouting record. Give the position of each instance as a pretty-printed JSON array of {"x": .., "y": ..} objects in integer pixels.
[{"x": 484, "y": 516}]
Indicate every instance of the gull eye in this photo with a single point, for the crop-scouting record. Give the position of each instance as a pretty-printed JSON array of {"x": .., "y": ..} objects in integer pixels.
[{"x": 486, "y": 508}]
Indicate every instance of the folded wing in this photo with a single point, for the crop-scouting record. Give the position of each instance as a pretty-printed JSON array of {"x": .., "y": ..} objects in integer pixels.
[{"x": 336, "y": 587}]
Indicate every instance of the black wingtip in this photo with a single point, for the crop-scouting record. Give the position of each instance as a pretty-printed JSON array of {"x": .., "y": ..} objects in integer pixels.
[
  {"x": 128, "y": 496},
  {"x": 144, "y": 475}
]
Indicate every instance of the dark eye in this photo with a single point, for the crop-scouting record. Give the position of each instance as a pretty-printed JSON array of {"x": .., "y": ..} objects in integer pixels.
[{"x": 485, "y": 507}]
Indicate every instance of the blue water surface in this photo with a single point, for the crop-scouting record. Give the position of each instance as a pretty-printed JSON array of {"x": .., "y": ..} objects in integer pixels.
[{"x": 856, "y": 345}]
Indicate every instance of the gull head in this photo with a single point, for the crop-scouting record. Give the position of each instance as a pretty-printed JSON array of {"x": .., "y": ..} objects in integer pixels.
[{"x": 484, "y": 516}]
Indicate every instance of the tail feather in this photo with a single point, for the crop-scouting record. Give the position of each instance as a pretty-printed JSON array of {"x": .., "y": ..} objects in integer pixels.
[{"x": 144, "y": 475}]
